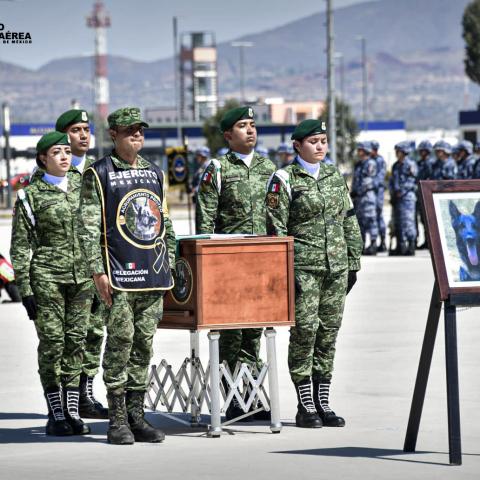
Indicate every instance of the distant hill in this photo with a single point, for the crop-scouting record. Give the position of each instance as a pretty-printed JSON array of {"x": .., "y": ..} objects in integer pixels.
[{"x": 415, "y": 52}]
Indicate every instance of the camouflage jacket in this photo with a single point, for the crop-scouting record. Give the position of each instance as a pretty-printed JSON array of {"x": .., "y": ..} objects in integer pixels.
[
  {"x": 53, "y": 238},
  {"x": 90, "y": 218},
  {"x": 231, "y": 196},
  {"x": 319, "y": 214}
]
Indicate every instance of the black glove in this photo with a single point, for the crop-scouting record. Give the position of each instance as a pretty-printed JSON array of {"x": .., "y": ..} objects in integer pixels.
[
  {"x": 30, "y": 305},
  {"x": 352, "y": 279},
  {"x": 95, "y": 304}
]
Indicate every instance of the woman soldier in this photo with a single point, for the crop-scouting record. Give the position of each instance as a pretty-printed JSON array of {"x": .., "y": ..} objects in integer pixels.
[
  {"x": 309, "y": 200},
  {"x": 54, "y": 286}
]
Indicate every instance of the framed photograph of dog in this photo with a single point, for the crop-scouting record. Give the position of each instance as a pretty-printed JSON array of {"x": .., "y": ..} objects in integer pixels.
[{"x": 452, "y": 216}]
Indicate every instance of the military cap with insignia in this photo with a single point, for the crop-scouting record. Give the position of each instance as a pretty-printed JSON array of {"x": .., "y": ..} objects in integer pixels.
[
  {"x": 126, "y": 116},
  {"x": 231, "y": 117},
  {"x": 70, "y": 117},
  {"x": 50, "y": 139},
  {"x": 307, "y": 128}
]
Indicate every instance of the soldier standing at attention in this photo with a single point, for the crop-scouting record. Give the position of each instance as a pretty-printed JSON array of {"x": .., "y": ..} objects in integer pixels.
[
  {"x": 424, "y": 168},
  {"x": 380, "y": 188},
  {"x": 364, "y": 195},
  {"x": 231, "y": 199},
  {"x": 444, "y": 167},
  {"x": 75, "y": 123},
  {"x": 55, "y": 286},
  {"x": 465, "y": 160},
  {"x": 404, "y": 197},
  {"x": 129, "y": 245},
  {"x": 310, "y": 201}
]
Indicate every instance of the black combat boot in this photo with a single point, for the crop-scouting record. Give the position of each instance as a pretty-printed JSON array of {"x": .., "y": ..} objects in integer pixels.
[
  {"x": 141, "y": 429},
  {"x": 383, "y": 246},
  {"x": 411, "y": 248},
  {"x": 89, "y": 406},
  {"x": 57, "y": 424},
  {"x": 119, "y": 432},
  {"x": 371, "y": 250},
  {"x": 307, "y": 416},
  {"x": 70, "y": 410},
  {"x": 321, "y": 391}
]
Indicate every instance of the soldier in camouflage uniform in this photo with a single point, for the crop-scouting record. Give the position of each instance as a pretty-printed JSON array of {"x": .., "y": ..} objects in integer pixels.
[
  {"x": 130, "y": 264},
  {"x": 231, "y": 199},
  {"x": 75, "y": 123},
  {"x": 380, "y": 191},
  {"x": 424, "y": 167},
  {"x": 364, "y": 186},
  {"x": 465, "y": 160},
  {"x": 403, "y": 193},
  {"x": 444, "y": 166},
  {"x": 55, "y": 286},
  {"x": 310, "y": 201}
]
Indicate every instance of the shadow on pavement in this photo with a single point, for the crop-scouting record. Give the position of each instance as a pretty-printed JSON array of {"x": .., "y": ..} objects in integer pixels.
[
  {"x": 37, "y": 434},
  {"x": 20, "y": 416},
  {"x": 366, "y": 452}
]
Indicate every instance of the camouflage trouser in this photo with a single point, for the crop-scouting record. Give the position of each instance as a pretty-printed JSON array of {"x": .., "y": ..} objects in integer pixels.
[
  {"x": 94, "y": 341},
  {"x": 380, "y": 220},
  {"x": 406, "y": 217},
  {"x": 241, "y": 346},
  {"x": 131, "y": 324},
  {"x": 366, "y": 210},
  {"x": 319, "y": 302},
  {"x": 61, "y": 324}
]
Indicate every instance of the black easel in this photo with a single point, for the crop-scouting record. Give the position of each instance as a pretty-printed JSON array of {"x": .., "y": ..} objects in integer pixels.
[{"x": 453, "y": 404}]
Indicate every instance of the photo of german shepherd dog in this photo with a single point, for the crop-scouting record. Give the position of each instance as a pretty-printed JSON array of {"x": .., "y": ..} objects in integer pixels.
[{"x": 467, "y": 236}]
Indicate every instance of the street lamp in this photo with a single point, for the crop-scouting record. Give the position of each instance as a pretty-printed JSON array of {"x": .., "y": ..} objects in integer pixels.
[
  {"x": 363, "y": 41},
  {"x": 332, "y": 117},
  {"x": 241, "y": 46},
  {"x": 6, "y": 135},
  {"x": 339, "y": 56}
]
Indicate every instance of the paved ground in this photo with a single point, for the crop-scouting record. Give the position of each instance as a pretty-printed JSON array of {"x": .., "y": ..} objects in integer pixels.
[{"x": 378, "y": 351}]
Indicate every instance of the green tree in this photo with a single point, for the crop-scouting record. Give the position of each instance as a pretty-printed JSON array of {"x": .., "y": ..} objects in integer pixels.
[
  {"x": 211, "y": 127},
  {"x": 471, "y": 35},
  {"x": 347, "y": 131}
]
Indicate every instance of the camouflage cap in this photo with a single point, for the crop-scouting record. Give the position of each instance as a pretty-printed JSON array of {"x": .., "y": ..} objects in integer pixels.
[
  {"x": 50, "y": 139},
  {"x": 71, "y": 117},
  {"x": 231, "y": 117},
  {"x": 307, "y": 128},
  {"x": 126, "y": 116}
]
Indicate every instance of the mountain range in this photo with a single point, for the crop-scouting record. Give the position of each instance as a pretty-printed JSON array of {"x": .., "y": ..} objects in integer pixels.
[{"x": 415, "y": 62}]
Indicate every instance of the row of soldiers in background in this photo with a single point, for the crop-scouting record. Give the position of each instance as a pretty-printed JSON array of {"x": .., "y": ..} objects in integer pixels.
[{"x": 440, "y": 161}]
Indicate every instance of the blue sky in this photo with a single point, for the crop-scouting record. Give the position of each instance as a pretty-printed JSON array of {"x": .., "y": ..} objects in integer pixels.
[{"x": 141, "y": 29}]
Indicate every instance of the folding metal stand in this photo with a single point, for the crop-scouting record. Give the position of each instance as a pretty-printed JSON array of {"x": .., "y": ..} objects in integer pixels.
[{"x": 194, "y": 386}]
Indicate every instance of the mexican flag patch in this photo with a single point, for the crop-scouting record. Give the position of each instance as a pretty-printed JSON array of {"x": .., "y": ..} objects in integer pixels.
[{"x": 130, "y": 266}]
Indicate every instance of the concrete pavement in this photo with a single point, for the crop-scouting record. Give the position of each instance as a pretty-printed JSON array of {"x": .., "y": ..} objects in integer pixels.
[{"x": 377, "y": 356}]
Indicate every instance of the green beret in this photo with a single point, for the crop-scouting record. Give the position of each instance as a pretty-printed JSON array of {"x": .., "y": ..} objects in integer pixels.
[
  {"x": 69, "y": 118},
  {"x": 231, "y": 117},
  {"x": 50, "y": 139},
  {"x": 126, "y": 116},
  {"x": 307, "y": 128}
]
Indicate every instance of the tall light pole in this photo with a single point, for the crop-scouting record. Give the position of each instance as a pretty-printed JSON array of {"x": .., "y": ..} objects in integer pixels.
[
  {"x": 332, "y": 118},
  {"x": 341, "y": 58},
  {"x": 176, "y": 67},
  {"x": 241, "y": 46},
  {"x": 6, "y": 136},
  {"x": 363, "y": 41},
  {"x": 100, "y": 21}
]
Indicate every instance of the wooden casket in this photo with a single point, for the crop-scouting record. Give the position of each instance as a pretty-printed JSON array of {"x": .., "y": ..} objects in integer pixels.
[{"x": 232, "y": 282}]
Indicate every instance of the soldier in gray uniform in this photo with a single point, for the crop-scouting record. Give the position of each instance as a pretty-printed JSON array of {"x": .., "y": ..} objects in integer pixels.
[{"x": 444, "y": 167}]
